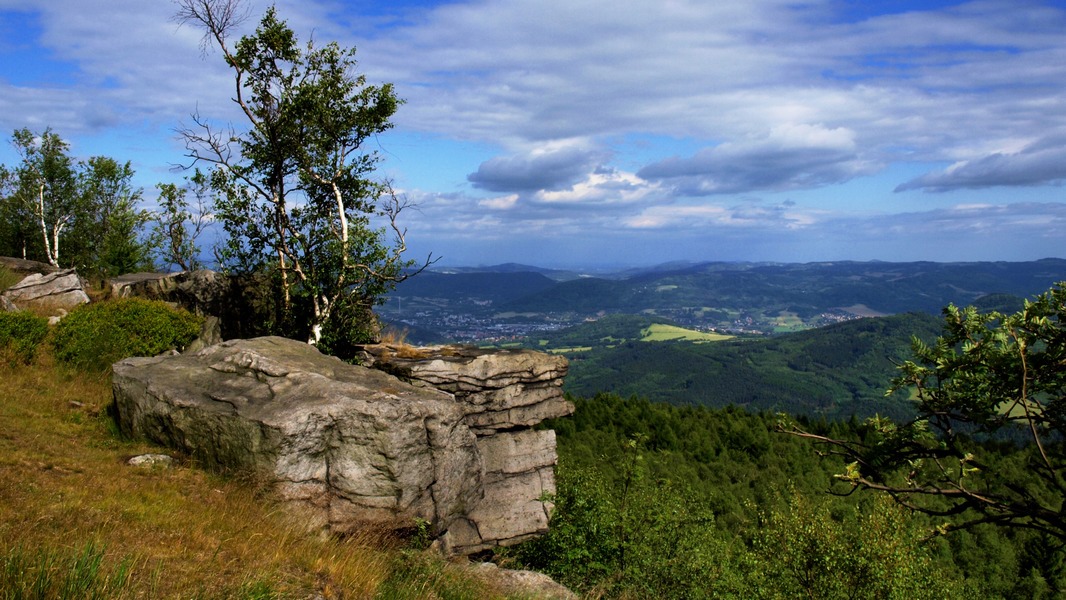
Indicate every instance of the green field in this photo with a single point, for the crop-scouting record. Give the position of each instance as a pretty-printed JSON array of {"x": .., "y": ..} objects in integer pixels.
[{"x": 661, "y": 332}]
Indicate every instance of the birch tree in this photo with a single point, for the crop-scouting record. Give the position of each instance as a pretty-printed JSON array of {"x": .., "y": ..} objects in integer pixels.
[
  {"x": 297, "y": 197},
  {"x": 47, "y": 186}
]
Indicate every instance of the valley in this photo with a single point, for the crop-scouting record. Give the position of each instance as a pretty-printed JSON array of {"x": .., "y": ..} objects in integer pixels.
[
  {"x": 822, "y": 340},
  {"x": 508, "y": 303}
]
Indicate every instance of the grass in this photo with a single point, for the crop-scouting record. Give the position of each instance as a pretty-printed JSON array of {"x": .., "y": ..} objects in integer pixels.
[
  {"x": 660, "y": 332},
  {"x": 8, "y": 278},
  {"x": 73, "y": 513}
]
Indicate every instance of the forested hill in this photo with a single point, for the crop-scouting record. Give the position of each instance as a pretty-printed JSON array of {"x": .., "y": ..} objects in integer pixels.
[
  {"x": 836, "y": 371},
  {"x": 500, "y": 303},
  {"x": 886, "y": 288}
]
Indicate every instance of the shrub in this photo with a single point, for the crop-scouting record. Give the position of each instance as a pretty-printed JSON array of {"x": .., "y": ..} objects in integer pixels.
[
  {"x": 8, "y": 278},
  {"x": 20, "y": 334},
  {"x": 94, "y": 336}
]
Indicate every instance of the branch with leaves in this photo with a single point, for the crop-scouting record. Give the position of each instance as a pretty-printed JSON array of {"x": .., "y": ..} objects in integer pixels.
[{"x": 990, "y": 377}]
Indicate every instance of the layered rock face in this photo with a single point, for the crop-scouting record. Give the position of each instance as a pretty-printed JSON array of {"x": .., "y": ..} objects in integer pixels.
[
  {"x": 503, "y": 394},
  {"x": 353, "y": 446},
  {"x": 52, "y": 293}
]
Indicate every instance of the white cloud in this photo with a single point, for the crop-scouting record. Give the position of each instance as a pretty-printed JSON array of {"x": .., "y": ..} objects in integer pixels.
[
  {"x": 761, "y": 96},
  {"x": 1039, "y": 163},
  {"x": 790, "y": 156}
]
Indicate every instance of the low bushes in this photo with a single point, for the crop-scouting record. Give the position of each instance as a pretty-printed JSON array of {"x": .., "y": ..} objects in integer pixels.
[
  {"x": 20, "y": 334},
  {"x": 94, "y": 336}
]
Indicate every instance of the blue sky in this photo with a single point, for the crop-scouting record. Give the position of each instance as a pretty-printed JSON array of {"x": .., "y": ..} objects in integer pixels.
[{"x": 606, "y": 133}]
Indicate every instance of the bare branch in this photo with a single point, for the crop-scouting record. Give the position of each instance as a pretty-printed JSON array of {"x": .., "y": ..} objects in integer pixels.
[{"x": 218, "y": 18}]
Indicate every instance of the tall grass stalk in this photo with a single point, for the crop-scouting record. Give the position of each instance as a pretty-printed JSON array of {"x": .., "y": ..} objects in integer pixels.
[{"x": 61, "y": 574}]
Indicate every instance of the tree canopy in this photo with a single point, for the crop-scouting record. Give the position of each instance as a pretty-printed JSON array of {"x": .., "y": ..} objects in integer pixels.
[
  {"x": 297, "y": 197},
  {"x": 70, "y": 213},
  {"x": 991, "y": 377}
]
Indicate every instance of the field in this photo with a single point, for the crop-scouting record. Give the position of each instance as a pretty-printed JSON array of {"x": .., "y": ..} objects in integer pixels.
[{"x": 661, "y": 332}]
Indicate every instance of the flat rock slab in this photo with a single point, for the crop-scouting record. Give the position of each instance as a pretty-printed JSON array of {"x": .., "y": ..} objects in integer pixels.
[
  {"x": 49, "y": 293},
  {"x": 353, "y": 446}
]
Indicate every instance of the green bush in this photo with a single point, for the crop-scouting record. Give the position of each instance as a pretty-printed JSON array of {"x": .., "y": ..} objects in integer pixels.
[
  {"x": 8, "y": 278},
  {"x": 94, "y": 336},
  {"x": 20, "y": 334}
]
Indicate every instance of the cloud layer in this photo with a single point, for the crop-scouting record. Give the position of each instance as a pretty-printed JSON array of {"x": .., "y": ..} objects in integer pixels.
[{"x": 770, "y": 123}]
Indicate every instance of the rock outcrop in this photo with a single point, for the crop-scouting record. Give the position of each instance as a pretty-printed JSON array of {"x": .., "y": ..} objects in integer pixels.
[
  {"x": 234, "y": 301},
  {"x": 24, "y": 267},
  {"x": 199, "y": 292},
  {"x": 354, "y": 446},
  {"x": 503, "y": 394},
  {"x": 53, "y": 293}
]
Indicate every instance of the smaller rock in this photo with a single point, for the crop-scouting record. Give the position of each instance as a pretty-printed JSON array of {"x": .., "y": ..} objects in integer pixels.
[
  {"x": 24, "y": 267},
  {"x": 51, "y": 293},
  {"x": 210, "y": 334},
  {"x": 7, "y": 305},
  {"x": 152, "y": 460},
  {"x": 525, "y": 584}
]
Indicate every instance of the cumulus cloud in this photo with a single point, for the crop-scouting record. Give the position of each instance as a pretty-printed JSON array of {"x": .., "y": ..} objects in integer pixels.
[
  {"x": 541, "y": 169},
  {"x": 1040, "y": 163},
  {"x": 604, "y": 186},
  {"x": 789, "y": 157},
  {"x": 700, "y": 217},
  {"x": 779, "y": 94}
]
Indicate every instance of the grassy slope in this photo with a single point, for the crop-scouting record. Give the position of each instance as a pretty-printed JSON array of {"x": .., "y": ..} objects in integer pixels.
[{"x": 183, "y": 532}]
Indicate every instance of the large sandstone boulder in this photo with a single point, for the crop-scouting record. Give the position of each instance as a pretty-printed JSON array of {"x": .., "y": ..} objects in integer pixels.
[
  {"x": 351, "y": 446},
  {"x": 53, "y": 293},
  {"x": 354, "y": 445}
]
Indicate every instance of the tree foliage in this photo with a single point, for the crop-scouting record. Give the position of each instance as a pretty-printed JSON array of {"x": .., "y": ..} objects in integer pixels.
[
  {"x": 178, "y": 225},
  {"x": 658, "y": 501},
  {"x": 45, "y": 190},
  {"x": 81, "y": 214},
  {"x": 296, "y": 194},
  {"x": 989, "y": 376}
]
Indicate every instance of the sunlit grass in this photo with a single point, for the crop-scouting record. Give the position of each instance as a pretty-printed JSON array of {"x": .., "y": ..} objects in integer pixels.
[
  {"x": 661, "y": 332},
  {"x": 66, "y": 490}
]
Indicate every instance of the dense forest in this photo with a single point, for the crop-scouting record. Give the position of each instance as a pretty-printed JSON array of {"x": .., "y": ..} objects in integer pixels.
[
  {"x": 836, "y": 371},
  {"x": 656, "y": 500}
]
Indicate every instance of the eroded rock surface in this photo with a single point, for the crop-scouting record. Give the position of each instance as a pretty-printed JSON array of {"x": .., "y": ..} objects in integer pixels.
[
  {"x": 50, "y": 293},
  {"x": 503, "y": 394},
  {"x": 353, "y": 445}
]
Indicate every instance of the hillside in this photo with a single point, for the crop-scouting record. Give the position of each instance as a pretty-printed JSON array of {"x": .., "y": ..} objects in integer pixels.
[
  {"x": 737, "y": 298},
  {"x": 805, "y": 289},
  {"x": 835, "y": 371}
]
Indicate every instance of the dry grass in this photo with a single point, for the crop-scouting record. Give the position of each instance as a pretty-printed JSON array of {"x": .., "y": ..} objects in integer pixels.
[{"x": 182, "y": 532}]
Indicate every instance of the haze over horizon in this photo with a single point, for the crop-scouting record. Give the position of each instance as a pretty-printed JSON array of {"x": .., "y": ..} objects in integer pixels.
[{"x": 562, "y": 134}]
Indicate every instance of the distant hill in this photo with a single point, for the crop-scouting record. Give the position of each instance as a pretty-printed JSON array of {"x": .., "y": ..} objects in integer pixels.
[
  {"x": 804, "y": 289},
  {"x": 497, "y": 287},
  {"x": 836, "y": 371},
  {"x": 553, "y": 274},
  {"x": 508, "y": 301}
]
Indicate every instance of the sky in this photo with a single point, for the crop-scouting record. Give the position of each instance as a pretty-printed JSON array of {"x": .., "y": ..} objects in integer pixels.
[{"x": 589, "y": 133}]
